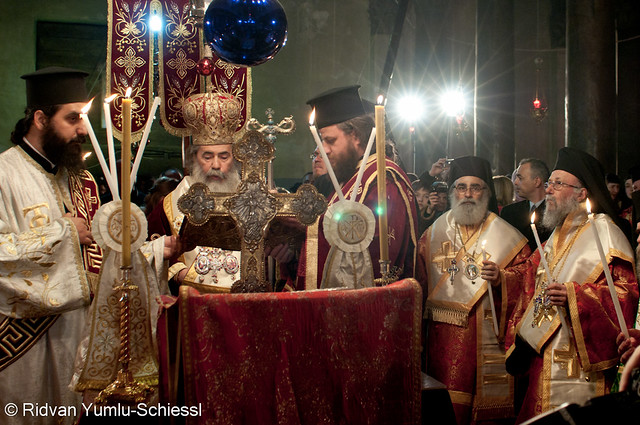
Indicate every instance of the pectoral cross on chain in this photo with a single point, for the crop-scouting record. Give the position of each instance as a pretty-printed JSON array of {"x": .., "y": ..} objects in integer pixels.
[{"x": 453, "y": 269}]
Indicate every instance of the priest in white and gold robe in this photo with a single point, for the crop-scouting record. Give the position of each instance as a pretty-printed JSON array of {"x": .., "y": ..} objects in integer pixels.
[
  {"x": 468, "y": 263},
  {"x": 562, "y": 336},
  {"x": 48, "y": 260}
]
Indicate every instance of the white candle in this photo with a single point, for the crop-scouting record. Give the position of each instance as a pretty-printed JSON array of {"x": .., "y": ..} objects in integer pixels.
[
  {"x": 96, "y": 147},
  {"x": 490, "y": 291},
  {"x": 143, "y": 142},
  {"x": 367, "y": 151},
  {"x": 607, "y": 273},
  {"x": 542, "y": 259},
  {"x": 325, "y": 158},
  {"x": 106, "y": 106}
]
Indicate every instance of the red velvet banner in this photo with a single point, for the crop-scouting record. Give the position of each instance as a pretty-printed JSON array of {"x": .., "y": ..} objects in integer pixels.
[
  {"x": 129, "y": 63},
  {"x": 180, "y": 47},
  {"x": 312, "y": 357}
]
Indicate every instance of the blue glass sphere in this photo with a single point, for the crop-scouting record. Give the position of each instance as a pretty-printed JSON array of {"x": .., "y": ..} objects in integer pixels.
[{"x": 245, "y": 32}]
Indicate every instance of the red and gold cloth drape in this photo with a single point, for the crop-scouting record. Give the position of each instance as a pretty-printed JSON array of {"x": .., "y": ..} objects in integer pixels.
[
  {"x": 312, "y": 357},
  {"x": 130, "y": 63}
]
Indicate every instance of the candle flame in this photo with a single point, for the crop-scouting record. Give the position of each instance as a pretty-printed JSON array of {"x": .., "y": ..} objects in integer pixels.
[
  {"x": 484, "y": 242},
  {"x": 86, "y": 155},
  {"x": 588, "y": 206},
  {"x": 110, "y": 98},
  {"x": 312, "y": 117},
  {"x": 533, "y": 217},
  {"x": 128, "y": 92},
  {"x": 86, "y": 107},
  {"x": 380, "y": 100}
]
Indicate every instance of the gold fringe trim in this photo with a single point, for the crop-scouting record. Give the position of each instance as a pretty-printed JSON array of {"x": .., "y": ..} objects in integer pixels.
[
  {"x": 446, "y": 315},
  {"x": 459, "y": 397}
]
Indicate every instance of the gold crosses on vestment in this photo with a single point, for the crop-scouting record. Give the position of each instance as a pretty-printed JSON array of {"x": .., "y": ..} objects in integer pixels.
[
  {"x": 444, "y": 256},
  {"x": 252, "y": 207},
  {"x": 567, "y": 359}
]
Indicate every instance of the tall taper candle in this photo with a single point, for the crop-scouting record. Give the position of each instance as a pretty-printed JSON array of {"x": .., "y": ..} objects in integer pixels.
[
  {"x": 125, "y": 190},
  {"x": 607, "y": 274},
  {"x": 382, "y": 180}
]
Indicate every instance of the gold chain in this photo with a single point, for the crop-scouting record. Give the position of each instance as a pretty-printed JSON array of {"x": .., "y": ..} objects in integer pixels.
[{"x": 565, "y": 252}]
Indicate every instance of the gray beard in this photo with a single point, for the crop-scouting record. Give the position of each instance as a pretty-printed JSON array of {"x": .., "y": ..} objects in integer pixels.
[
  {"x": 555, "y": 218},
  {"x": 228, "y": 184},
  {"x": 469, "y": 214}
]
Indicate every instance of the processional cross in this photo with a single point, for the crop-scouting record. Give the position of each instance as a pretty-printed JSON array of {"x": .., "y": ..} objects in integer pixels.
[
  {"x": 286, "y": 126},
  {"x": 252, "y": 207}
]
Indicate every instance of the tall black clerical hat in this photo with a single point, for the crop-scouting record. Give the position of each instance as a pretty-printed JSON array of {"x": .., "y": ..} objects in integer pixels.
[
  {"x": 55, "y": 86},
  {"x": 476, "y": 167},
  {"x": 337, "y": 105},
  {"x": 591, "y": 173}
]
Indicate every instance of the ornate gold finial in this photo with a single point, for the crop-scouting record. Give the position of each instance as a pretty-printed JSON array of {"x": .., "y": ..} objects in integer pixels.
[{"x": 212, "y": 118}]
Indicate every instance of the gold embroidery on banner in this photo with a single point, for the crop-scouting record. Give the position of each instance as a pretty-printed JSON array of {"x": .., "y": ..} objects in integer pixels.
[
  {"x": 130, "y": 61},
  {"x": 181, "y": 29},
  {"x": 130, "y": 25},
  {"x": 39, "y": 218},
  {"x": 181, "y": 63},
  {"x": 567, "y": 360},
  {"x": 229, "y": 69}
]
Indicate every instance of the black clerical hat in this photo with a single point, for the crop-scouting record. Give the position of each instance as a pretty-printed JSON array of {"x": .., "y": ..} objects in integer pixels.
[
  {"x": 337, "y": 105},
  {"x": 591, "y": 173},
  {"x": 476, "y": 167},
  {"x": 55, "y": 86}
]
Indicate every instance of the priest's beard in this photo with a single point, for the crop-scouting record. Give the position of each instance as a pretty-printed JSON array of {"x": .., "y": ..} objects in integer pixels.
[
  {"x": 228, "y": 184},
  {"x": 62, "y": 153},
  {"x": 468, "y": 211},
  {"x": 346, "y": 164},
  {"x": 555, "y": 216}
]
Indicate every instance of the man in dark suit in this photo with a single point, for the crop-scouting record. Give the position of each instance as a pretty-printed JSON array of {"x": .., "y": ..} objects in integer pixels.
[{"x": 531, "y": 176}]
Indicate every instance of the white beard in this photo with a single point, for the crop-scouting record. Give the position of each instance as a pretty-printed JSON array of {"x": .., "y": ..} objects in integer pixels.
[
  {"x": 555, "y": 218},
  {"x": 228, "y": 184},
  {"x": 471, "y": 213}
]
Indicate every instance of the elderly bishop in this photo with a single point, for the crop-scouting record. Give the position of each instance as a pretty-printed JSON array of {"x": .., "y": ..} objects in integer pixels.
[{"x": 469, "y": 262}]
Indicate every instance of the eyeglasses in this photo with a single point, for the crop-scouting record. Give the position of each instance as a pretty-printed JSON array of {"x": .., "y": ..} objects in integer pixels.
[
  {"x": 557, "y": 185},
  {"x": 475, "y": 188}
]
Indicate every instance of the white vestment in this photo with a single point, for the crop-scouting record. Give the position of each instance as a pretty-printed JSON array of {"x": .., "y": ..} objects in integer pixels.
[{"x": 41, "y": 274}]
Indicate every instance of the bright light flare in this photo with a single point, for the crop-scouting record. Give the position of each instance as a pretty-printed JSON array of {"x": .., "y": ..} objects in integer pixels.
[
  {"x": 155, "y": 23},
  {"x": 411, "y": 108},
  {"x": 453, "y": 103}
]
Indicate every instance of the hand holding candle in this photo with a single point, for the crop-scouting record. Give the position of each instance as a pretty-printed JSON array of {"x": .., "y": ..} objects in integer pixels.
[{"x": 607, "y": 273}]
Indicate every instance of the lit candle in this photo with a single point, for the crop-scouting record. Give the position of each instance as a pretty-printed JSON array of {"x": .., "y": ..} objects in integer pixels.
[
  {"x": 126, "y": 170},
  {"x": 490, "y": 291},
  {"x": 542, "y": 259},
  {"x": 325, "y": 158},
  {"x": 607, "y": 273},
  {"x": 382, "y": 180},
  {"x": 96, "y": 147},
  {"x": 367, "y": 151},
  {"x": 106, "y": 106},
  {"x": 143, "y": 142}
]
